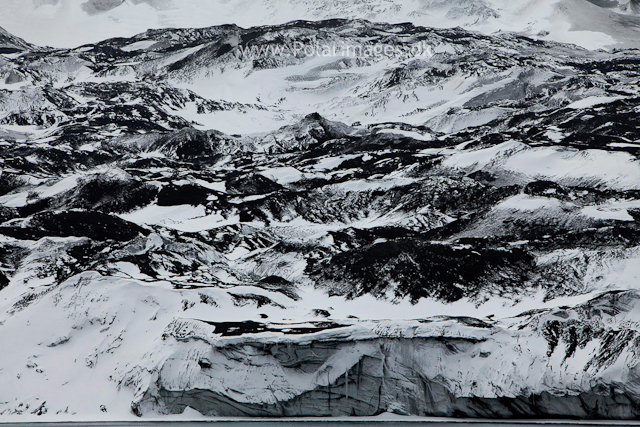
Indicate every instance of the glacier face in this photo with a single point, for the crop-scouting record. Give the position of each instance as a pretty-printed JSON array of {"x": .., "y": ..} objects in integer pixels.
[
  {"x": 435, "y": 366},
  {"x": 183, "y": 226}
]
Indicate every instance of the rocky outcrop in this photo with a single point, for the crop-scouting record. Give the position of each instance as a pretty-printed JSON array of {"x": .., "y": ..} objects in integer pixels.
[{"x": 12, "y": 44}]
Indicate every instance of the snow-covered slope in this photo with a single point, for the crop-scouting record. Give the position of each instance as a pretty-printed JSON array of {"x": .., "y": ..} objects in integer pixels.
[
  {"x": 68, "y": 23},
  {"x": 230, "y": 79},
  {"x": 184, "y": 227},
  {"x": 12, "y": 44}
]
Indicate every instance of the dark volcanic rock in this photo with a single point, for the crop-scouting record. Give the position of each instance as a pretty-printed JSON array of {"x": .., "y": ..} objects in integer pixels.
[
  {"x": 95, "y": 225},
  {"x": 191, "y": 144},
  {"x": 416, "y": 269},
  {"x": 253, "y": 184},
  {"x": 4, "y": 280},
  {"x": 189, "y": 194},
  {"x": 109, "y": 195}
]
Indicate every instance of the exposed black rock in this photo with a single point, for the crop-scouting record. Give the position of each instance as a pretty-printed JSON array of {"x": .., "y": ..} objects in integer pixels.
[
  {"x": 417, "y": 269},
  {"x": 189, "y": 194},
  {"x": 252, "y": 184},
  {"x": 109, "y": 195},
  {"x": 95, "y": 225}
]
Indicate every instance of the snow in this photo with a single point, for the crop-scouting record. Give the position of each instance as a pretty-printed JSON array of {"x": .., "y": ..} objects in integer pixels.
[
  {"x": 525, "y": 203},
  {"x": 14, "y": 200},
  {"x": 165, "y": 215},
  {"x": 283, "y": 175},
  {"x": 332, "y": 162},
  {"x": 315, "y": 84},
  {"x": 603, "y": 213},
  {"x": 592, "y": 101},
  {"x": 624, "y": 145},
  {"x": 566, "y": 20},
  {"x": 206, "y": 222},
  {"x": 373, "y": 184},
  {"x": 115, "y": 329},
  {"x": 185, "y": 218},
  {"x": 62, "y": 185},
  {"x": 130, "y": 270},
  {"x": 555, "y": 135},
  {"x": 141, "y": 45},
  {"x": 410, "y": 134},
  {"x": 101, "y": 336},
  {"x": 216, "y": 186},
  {"x": 68, "y": 375},
  {"x": 615, "y": 170}
]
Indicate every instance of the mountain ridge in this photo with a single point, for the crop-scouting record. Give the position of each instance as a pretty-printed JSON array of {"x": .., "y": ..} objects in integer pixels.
[{"x": 590, "y": 23}]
